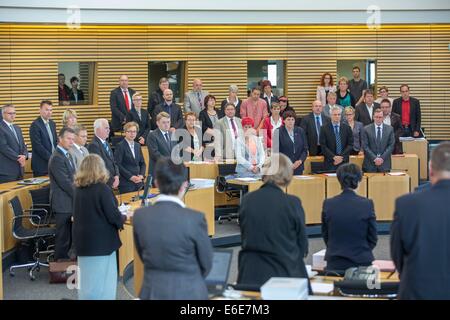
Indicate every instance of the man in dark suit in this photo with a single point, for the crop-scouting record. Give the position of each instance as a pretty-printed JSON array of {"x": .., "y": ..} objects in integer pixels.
[
  {"x": 336, "y": 139},
  {"x": 141, "y": 117},
  {"x": 394, "y": 120},
  {"x": 419, "y": 234},
  {"x": 120, "y": 103},
  {"x": 61, "y": 169},
  {"x": 157, "y": 98},
  {"x": 312, "y": 123},
  {"x": 378, "y": 143},
  {"x": 159, "y": 142},
  {"x": 171, "y": 108},
  {"x": 100, "y": 146},
  {"x": 292, "y": 142},
  {"x": 172, "y": 241},
  {"x": 13, "y": 151},
  {"x": 43, "y": 139},
  {"x": 267, "y": 94},
  {"x": 409, "y": 110},
  {"x": 129, "y": 159},
  {"x": 364, "y": 111}
]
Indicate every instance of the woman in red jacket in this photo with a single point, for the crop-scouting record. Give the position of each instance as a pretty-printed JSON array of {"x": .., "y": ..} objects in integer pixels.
[{"x": 271, "y": 123}]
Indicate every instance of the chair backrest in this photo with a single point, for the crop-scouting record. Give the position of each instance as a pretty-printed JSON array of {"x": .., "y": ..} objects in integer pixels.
[
  {"x": 40, "y": 200},
  {"x": 17, "y": 209},
  {"x": 226, "y": 169}
]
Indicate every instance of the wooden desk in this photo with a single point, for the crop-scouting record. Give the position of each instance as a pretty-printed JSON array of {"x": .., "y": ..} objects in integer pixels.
[
  {"x": 334, "y": 188},
  {"x": 408, "y": 163},
  {"x": 384, "y": 190},
  {"x": 311, "y": 192},
  {"x": 197, "y": 199},
  {"x": 308, "y": 161},
  {"x": 420, "y": 148}
]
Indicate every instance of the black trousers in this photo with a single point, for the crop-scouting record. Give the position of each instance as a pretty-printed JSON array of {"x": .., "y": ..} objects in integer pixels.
[{"x": 63, "y": 238}]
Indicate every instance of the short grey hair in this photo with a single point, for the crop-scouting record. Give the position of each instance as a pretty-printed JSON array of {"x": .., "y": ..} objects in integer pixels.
[
  {"x": 6, "y": 106},
  {"x": 98, "y": 123},
  {"x": 334, "y": 108},
  {"x": 233, "y": 88}
]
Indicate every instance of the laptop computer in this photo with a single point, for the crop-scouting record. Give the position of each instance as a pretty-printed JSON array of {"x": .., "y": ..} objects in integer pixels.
[{"x": 217, "y": 279}]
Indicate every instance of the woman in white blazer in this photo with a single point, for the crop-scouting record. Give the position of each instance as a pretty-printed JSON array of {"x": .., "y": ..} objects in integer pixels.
[{"x": 326, "y": 86}]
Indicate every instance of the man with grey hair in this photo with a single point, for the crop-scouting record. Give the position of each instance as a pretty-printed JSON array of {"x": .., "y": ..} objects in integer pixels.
[
  {"x": 420, "y": 234},
  {"x": 13, "y": 151},
  {"x": 336, "y": 140},
  {"x": 232, "y": 98},
  {"x": 100, "y": 146},
  {"x": 194, "y": 99},
  {"x": 78, "y": 150}
]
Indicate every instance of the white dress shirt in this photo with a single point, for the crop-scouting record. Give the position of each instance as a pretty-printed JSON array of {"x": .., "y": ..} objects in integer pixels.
[{"x": 174, "y": 199}]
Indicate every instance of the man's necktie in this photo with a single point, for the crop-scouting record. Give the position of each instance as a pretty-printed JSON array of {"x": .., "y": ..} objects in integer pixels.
[
  {"x": 50, "y": 135},
  {"x": 14, "y": 132},
  {"x": 338, "y": 140},
  {"x": 127, "y": 103},
  {"x": 108, "y": 150},
  {"x": 318, "y": 129},
  {"x": 234, "y": 128},
  {"x": 70, "y": 160},
  {"x": 199, "y": 97},
  {"x": 132, "y": 150},
  {"x": 166, "y": 135},
  {"x": 378, "y": 138}
]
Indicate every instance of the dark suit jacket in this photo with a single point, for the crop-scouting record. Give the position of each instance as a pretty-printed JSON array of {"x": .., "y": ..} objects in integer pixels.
[
  {"x": 61, "y": 173},
  {"x": 308, "y": 124},
  {"x": 238, "y": 107},
  {"x": 328, "y": 143},
  {"x": 362, "y": 114},
  {"x": 273, "y": 245},
  {"x": 269, "y": 103},
  {"x": 371, "y": 149},
  {"x": 174, "y": 246},
  {"x": 203, "y": 117},
  {"x": 129, "y": 166},
  {"x": 349, "y": 229},
  {"x": 118, "y": 107},
  {"x": 41, "y": 145},
  {"x": 157, "y": 148},
  {"x": 415, "y": 116},
  {"x": 96, "y": 221},
  {"x": 96, "y": 146},
  {"x": 420, "y": 243},
  {"x": 294, "y": 151},
  {"x": 176, "y": 115},
  {"x": 10, "y": 149},
  {"x": 143, "y": 122},
  {"x": 80, "y": 96},
  {"x": 396, "y": 123}
]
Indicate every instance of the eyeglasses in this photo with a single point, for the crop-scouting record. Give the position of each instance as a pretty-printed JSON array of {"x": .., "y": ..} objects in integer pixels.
[
  {"x": 11, "y": 113},
  {"x": 131, "y": 131},
  {"x": 137, "y": 99}
]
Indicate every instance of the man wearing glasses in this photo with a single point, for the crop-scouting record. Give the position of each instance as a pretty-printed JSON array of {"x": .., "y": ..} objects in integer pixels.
[{"x": 13, "y": 151}]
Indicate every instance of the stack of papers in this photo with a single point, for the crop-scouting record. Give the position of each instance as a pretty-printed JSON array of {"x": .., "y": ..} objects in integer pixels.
[
  {"x": 396, "y": 173},
  {"x": 33, "y": 181},
  {"x": 322, "y": 288},
  {"x": 285, "y": 289},
  {"x": 318, "y": 261},
  {"x": 247, "y": 179},
  {"x": 330, "y": 174},
  {"x": 303, "y": 177},
  {"x": 202, "y": 183}
]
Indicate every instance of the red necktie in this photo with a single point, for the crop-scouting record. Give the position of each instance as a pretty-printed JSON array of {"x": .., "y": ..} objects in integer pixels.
[
  {"x": 234, "y": 128},
  {"x": 127, "y": 103}
]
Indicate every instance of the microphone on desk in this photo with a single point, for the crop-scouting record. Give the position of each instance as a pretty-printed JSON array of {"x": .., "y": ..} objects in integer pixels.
[{"x": 137, "y": 196}]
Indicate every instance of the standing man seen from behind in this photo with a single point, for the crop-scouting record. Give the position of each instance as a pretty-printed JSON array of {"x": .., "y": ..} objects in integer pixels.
[
  {"x": 100, "y": 146},
  {"x": 43, "y": 139},
  {"x": 120, "y": 103},
  {"x": 419, "y": 234},
  {"x": 378, "y": 143},
  {"x": 194, "y": 99},
  {"x": 172, "y": 241},
  {"x": 61, "y": 172},
  {"x": 13, "y": 151},
  {"x": 336, "y": 139},
  {"x": 409, "y": 110}
]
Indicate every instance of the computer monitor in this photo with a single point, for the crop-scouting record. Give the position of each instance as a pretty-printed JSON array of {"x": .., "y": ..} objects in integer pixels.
[
  {"x": 217, "y": 279},
  {"x": 148, "y": 186}
]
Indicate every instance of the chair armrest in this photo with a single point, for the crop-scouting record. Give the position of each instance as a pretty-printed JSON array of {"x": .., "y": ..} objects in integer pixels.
[
  {"x": 46, "y": 218},
  {"x": 21, "y": 216}
]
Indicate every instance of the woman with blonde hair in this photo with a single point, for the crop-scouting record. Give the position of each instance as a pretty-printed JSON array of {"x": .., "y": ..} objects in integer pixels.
[
  {"x": 96, "y": 221},
  {"x": 344, "y": 97},
  {"x": 69, "y": 118}
]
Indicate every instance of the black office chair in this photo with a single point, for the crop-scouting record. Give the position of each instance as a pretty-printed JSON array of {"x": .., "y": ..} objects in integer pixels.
[
  {"x": 39, "y": 236},
  {"x": 226, "y": 169},
  {"x": 40, "y": 205}
]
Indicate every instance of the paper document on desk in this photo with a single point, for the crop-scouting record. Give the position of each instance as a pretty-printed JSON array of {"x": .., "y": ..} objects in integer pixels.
[
  {"x": 330, "y": 174},
  {"x": 396, "y": 174},
  {"x": 33, "y": 181},
  {"x": 202, "y": 183},
  {"x": 303, "y": 177},
  {"x": 384, "y": 265},
  {"x": 247, "y": 179},
  {"x": 322, "y": 288}
]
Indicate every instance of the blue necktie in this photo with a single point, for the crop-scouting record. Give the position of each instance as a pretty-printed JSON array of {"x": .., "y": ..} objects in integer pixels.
[
  {"x": 338, "y": 140},
  {"x": 108, "y": 150},
  {"x": 318, "y": 129}
]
